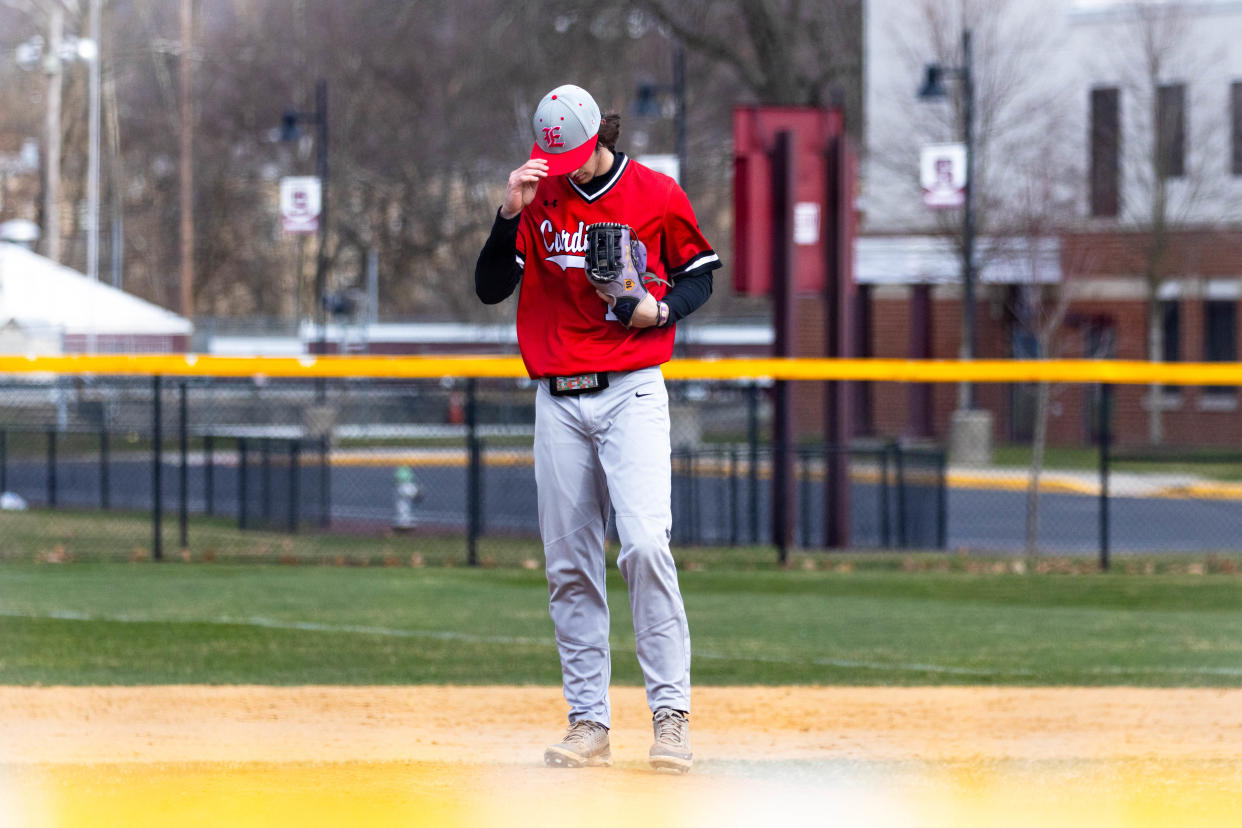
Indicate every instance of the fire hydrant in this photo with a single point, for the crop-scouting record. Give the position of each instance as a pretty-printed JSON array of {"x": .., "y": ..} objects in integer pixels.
[{"x": 408, "y": 492}]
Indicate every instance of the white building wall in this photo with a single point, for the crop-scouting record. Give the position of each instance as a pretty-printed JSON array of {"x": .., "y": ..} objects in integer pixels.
[
  {"x": 1198, "y": 46},
  {"x": 1035, "y": 63}
]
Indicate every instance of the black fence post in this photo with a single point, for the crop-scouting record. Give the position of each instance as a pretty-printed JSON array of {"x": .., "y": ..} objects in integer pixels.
[
  {"x": 689, "y": 495},
  {"x": 209, "y": 474},
  {"x": 942, "y": 499},
  {"x": 243, "y": 475},
  {"x": 325, "y": 483},
  {"x": 105, "y": 484},
  {"x": 752, "y": 437},
  {"x": 480, "y": 495},
  {"x": 157, "y": 471},
  {"x": 675, "y": 496},
  {"x": 1104, "y": 438},
  {"x": 4, "y": 460},
  {"x": 899, "y": 467},
  {"x": 734, "y": 505},
  {"x": 886, "y": 538},
  {"x": 723, "y": 468},
  {"x": 804, "y": 497},
  {"x": 51, "y": 468},
  {"x": 183, "y": 438},
  {"x": 473, "y": 473},
  {"x": 783, "y": 495},
  {"x": 692, "y": 496},
  {"x": 294, "y": 471},
  {"x": 265, "y": 478}
]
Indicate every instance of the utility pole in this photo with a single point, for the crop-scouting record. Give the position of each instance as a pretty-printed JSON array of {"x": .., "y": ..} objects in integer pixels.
[
  {"x": 92, "y": 175},
  {"x": 187, "y": 160},
  {"x": 51, "y": 182}
]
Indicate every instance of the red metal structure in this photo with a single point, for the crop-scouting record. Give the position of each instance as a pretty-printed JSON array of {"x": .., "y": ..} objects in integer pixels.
[{"x": 794, "y": 226}]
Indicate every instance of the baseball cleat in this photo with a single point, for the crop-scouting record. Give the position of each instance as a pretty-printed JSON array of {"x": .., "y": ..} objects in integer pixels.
[
  {"x": 671, "y": 751},
  {"x": 585, "y": 745}
]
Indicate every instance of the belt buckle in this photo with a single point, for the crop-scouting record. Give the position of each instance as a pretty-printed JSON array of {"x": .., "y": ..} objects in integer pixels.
[{"x": 578, "y": 384}]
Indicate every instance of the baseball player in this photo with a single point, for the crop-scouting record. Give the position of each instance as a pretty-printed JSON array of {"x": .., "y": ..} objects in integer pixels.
[{"x": 610, "y": 256}]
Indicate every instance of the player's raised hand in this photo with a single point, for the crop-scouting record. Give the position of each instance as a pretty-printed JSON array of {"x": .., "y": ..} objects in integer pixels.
[{"x": 520, "y": 190}]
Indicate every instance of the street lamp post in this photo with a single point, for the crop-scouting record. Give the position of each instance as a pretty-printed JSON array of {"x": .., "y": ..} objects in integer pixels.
[
  {"x": 932, "y": 89},
  {"x": 647, "y": 104},
  {"x": 289, "y": 132},
  {"x": 679, "y": 94}
]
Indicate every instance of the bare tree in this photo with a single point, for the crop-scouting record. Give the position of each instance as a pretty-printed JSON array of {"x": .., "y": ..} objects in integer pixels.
[
  {"x": 427, "y": 136},
  {"x": 1039, "y": 310},
  {"x": 52, "y": 19},
  {"x": 1041, "y": 200},
  {"x": 429, "y": 110},
  {"x": 782, "y": 51},
  {"x": 1168, "y": 179},
  {"x": 22, "y": 97}
]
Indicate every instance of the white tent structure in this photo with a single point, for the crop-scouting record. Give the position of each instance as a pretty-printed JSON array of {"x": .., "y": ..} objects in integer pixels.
[{"x": 47, "y": 308}]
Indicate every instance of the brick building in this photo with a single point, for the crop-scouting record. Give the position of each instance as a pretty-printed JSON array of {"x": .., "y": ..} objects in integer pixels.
[{"x": 1106, "y": 318}]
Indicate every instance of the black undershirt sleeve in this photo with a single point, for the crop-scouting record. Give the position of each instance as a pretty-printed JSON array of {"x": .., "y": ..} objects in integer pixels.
[
  {"x": 497, "y": 273},
  {"x": 687, "y": 295}
]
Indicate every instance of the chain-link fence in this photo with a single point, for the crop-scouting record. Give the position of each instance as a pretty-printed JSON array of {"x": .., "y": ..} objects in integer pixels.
[
  {"x": 211, "y": 467},
  {"x": 371, "y": 470},
  {"x": 722, "y": 495}
]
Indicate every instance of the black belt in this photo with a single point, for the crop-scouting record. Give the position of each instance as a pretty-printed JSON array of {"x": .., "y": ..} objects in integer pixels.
[{"x": 578, "y": 384}]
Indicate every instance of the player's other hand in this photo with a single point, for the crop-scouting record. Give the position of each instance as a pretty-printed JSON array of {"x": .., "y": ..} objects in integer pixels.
[
  {"x": 646, "y": 314},
  {"x": 523, "y": 182}
]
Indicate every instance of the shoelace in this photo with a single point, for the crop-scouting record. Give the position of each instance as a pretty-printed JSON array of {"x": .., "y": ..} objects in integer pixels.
[
  {"x": 670, "y": 727},
  {"x": 579, "y": 733}
]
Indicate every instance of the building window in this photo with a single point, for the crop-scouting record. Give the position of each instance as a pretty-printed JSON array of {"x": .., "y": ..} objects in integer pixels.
[
  {"x": 1171, "y": 130},
  {"x": 1105, "y": 152},
  {"x": 1171, "y": 321},
  {"x": 1171, "y": 340},
  {"x": 1220, "y": 337},
  {"x": 1235, "y": 118}
]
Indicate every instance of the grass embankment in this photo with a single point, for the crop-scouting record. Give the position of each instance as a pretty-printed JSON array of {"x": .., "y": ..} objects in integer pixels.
[{"x": 1210, "y": 464}]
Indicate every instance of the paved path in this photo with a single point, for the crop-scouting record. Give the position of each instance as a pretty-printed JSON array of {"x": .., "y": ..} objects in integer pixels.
[{"x": 986, "y": 508}]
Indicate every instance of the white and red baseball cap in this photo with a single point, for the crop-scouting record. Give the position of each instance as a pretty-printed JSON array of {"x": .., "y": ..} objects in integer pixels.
[{"x": 566, "y": 126}]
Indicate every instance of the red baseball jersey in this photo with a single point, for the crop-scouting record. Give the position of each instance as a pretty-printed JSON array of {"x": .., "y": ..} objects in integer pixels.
[{"x": 563, "y": 327}]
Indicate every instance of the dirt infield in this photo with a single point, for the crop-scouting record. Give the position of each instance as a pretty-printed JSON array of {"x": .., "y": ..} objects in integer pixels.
[
  {"x": 511, "y": 724},
  {"x": 471, "y": 755}
]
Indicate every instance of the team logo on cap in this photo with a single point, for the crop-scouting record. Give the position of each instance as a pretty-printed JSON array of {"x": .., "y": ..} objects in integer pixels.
[{"x": 552, "y": 137}]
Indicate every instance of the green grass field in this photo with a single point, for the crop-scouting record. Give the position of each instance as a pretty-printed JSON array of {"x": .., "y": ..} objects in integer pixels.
[
  {"x": 1211, "y": 464},
  {"x": 226, "y": 623}
]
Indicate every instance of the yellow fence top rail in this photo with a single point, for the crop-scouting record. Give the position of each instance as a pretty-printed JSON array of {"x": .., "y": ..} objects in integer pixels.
[{"x": 415, "y": 367}]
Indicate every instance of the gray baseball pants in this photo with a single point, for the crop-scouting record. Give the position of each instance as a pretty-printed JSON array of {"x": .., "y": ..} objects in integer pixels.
[{"x": 592, "y": 450}]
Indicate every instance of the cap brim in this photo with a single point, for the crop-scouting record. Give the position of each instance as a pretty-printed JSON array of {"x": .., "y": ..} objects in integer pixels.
[{"x": 560, "y": 163}]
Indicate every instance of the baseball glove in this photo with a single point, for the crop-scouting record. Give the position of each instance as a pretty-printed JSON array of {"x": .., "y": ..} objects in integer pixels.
[{"x": 616, "y": 264}]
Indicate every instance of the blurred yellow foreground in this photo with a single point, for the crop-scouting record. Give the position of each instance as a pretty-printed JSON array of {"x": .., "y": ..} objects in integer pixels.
[{"x": 416, "y": 794}]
